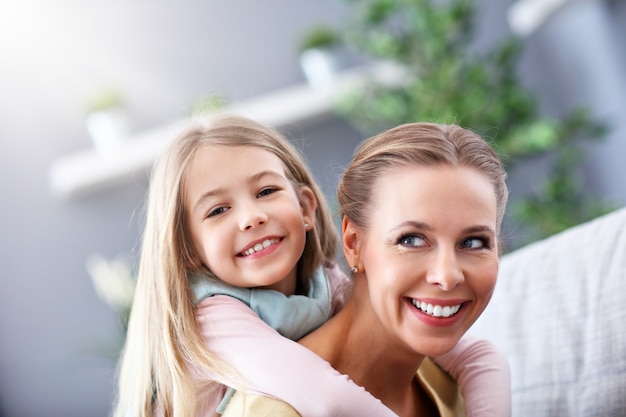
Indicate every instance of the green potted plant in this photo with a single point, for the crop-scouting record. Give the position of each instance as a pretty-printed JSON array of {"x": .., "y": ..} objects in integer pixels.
[
  {"x": 447, "y": 81},
  {"x": 107, "y": 120},
  {"x": 114, "y": 281},
  {"x": 318, "y": 56},
  {"x": 208, "y": 103}
]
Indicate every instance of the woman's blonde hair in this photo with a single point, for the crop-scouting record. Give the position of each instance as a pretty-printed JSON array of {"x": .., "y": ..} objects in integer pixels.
[
  {"x": 163, "y": 337},
  {"x": 421, "y": 144}
]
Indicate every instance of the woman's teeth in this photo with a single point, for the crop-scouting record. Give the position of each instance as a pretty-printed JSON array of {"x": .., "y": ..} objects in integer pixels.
[
  {"x": 260, "y": 246},
  {"x": 435, "y": 310}
]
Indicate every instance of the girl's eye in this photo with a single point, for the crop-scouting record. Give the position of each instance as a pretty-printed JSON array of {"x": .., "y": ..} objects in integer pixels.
[
  {"x": 475, "y": 243},
  {"x": 217, "y": 211},
  {"x": 411, "y": 240},
  {"x": 267, "y": 191}
]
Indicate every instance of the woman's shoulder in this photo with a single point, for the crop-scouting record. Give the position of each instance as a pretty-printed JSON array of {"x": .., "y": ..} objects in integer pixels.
[
  {"x": 247, "y": 405},
  {"x": 441, "y": 388}
]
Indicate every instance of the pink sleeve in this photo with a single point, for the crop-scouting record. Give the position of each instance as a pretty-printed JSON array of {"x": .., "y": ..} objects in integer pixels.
[
  {"x": 278, "y": 367},
  {"x": 483, "y": 374}
]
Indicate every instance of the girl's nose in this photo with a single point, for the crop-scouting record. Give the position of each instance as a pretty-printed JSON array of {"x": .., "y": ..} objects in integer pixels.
[
  {"x": 252, "y": 216},
  {"x": 445, "y": 271}
]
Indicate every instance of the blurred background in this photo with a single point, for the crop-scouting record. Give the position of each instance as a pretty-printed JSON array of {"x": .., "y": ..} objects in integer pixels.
[{"x": 64, "y": 228}]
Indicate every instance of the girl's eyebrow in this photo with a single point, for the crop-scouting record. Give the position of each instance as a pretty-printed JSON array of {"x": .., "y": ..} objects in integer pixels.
[
  {"x": 205, "y": 196},
  {"x": 218, "y": 191},
  {"x": 266, "y": 173}
]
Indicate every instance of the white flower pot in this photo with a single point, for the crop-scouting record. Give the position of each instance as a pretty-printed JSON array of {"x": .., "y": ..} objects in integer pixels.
[
  {"x": 319, "y": 67},
  {"x": 108, "y": 129}
]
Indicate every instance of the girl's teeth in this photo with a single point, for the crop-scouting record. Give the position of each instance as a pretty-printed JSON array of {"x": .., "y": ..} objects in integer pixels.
[
  {"x": 436, "y": 310},
  {"x": 260, "y": 246}
]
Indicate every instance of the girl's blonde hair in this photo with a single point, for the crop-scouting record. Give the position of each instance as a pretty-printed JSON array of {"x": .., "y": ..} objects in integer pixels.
[
  {"x": 163, "y": 337},
  {"x": 416, "y": 144}
]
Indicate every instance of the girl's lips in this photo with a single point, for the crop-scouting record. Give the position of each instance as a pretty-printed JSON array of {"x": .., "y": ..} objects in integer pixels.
[{"x": 259, "y": 246}]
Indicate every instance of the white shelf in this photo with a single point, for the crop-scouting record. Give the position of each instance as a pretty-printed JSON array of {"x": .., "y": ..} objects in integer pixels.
[{"x": 87, "y": 170}]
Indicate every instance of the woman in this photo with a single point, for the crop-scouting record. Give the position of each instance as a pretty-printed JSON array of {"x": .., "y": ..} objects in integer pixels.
[{"x": 422, "y": 207}]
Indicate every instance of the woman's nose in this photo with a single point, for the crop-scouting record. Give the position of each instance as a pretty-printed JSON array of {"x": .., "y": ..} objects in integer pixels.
[
  {"x": 445, "y": 270},
  {"x": 252, "y": 216}
]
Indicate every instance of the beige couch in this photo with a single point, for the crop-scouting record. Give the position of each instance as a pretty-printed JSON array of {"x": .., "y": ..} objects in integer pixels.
[{"x": 559, "y": 315}]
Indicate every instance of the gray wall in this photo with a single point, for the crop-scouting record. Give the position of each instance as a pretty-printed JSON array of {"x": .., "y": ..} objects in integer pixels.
[
  {"x": 579, "y": 58},
  {"x": 163, "y": 55}
]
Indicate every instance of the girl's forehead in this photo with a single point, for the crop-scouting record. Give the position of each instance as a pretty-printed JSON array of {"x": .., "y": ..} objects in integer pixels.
[
  {"x": 234, "y": 157},
  {"x": 214, "y": 169}
]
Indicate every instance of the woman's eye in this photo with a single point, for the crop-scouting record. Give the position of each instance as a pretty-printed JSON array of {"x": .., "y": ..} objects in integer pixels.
[
  {"x": 411, "y": 240},
  {"x": 217, "y": 211},
  {"x": 267, "y": 191},
  {"x": 475, "y": 243}
]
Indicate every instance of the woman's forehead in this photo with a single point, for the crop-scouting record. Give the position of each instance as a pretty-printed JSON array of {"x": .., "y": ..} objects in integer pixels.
[{"x": 431, "y": 192}]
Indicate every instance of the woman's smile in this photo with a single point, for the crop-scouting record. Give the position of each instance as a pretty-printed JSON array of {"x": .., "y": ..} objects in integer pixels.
[
  {"x": 443, "y": 309},
  {"x": 429, "y": 254}
]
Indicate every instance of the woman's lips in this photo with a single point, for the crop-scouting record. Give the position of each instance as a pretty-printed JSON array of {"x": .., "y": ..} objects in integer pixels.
[{"x": 436, "y": 310}]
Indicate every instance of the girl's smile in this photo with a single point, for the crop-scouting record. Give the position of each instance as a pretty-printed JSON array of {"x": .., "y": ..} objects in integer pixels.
[{"x": 261, "y": 247}]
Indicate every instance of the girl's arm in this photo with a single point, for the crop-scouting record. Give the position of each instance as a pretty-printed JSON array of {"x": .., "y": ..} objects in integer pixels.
[
  {"x": 278, "y": 367},
  {"x": 483, "y": 374}
]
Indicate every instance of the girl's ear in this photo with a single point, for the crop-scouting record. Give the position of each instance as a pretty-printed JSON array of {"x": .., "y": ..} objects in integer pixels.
[
  {"x": 196, "y": 263},
  {"x": 351, "y": 241},
  {"x": 308, "y": 203},
  {"x": 192, "y": 258}
]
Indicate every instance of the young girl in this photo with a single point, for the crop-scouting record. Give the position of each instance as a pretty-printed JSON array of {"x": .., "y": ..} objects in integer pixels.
[{"x": 235, "y": 223}]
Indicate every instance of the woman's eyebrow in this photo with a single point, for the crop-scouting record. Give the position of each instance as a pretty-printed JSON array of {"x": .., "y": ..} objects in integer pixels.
[
  {"x": 479, "y": 229},
  {"x": 425, "y": 226},
  {"x": 414, "y": 224}
]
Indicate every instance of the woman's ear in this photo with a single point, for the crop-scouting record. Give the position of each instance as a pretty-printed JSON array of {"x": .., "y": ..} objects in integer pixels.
[
  {"x": 351, "y": 241},
  {"x": 308, "y": 203}
]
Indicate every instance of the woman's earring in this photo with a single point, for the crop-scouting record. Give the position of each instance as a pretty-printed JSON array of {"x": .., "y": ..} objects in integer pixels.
[
  {"x": 306, "y": 226},
  {"x": 353, "y": 271}
]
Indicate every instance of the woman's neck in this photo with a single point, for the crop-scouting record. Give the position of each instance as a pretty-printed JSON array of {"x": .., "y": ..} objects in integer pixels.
[{"x": 351, "y": 343}]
